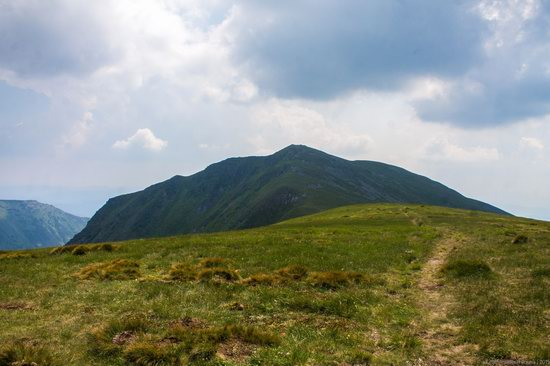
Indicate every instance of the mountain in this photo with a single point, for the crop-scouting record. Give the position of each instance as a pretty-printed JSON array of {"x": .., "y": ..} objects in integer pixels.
[
  {"x": 27, "y": 224},
  {"x": 254, "y": 191}
]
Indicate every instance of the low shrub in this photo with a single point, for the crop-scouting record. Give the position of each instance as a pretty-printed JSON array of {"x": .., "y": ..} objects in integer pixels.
[
  {"x": 119, "y": 269},
  {"x": 460, "y": 268}
]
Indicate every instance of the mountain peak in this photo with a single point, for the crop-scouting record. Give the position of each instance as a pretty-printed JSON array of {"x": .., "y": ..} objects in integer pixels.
[
  {"x": 260, "y": 190},
  {"x": 300, "y": 151}
]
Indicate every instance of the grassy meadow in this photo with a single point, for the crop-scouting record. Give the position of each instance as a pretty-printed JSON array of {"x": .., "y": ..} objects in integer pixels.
[{"x": 357, "y": 285}]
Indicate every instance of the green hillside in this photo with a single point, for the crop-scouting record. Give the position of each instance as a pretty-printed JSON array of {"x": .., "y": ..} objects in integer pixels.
[
  {"x": 254, "y": 191},
  {"x": 357, "y": 285},
  {"x": 28, "y": 224}
]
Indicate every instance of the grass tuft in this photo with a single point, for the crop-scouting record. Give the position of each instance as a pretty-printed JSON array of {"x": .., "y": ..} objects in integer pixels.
[
  {"x": 343, "y": 306},
  {"x": 267, "y": 279},
  {"x": 16, "y": 255},
  {"x": 460, "y": 268},
  {"x": 520, "y": 239},
  {"x": 82, "y": 249},
  {"x": 119, "y": 269},
  {"x": 20, "y": 354},
  {"x": 334, "y": 280},
  {"x": 360, "y": 358},
  {"x": 107, "y": 341},
  {"x": 182, "y": 272},
  {"x": 79, "y": 250},
  {"x": 541, "y": 273},
  {"x": 214, "y": 263},
  {"x": 293, "y": 272},
  {"x": 144, "y": 353},
  {"x": 218, "y": 274}
]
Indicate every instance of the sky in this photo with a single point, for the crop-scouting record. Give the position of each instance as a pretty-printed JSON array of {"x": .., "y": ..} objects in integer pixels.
[{"x": 101, "y": 98}]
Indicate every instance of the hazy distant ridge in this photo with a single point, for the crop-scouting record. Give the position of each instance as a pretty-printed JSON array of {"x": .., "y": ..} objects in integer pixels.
[{"x": 28, "y": 224}]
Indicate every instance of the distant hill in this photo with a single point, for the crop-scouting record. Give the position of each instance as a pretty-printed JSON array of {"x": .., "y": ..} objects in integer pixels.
[
  {"x": 254, "y": 191},
  {"x": 28, "y": 224}
]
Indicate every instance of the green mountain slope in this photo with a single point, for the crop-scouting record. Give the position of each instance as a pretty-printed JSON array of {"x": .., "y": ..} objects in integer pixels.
[
  {"x": 377, "y": 284},
  {"x": 27, "y": 224},
  {"x": 255, "y": 191}
]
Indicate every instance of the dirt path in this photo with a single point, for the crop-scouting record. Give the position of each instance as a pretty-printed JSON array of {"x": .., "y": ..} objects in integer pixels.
[{"x": 440, "y": 337}]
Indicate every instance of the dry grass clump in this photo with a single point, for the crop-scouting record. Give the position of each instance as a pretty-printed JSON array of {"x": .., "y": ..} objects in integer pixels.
[
  {"x": 217, "y": 274},
  {"x": 83, "y": 249},
  {"x": 290, "y": 273},
  {"x": 334, "y": 280},
  {"x": 293, "y": 272},
  {"x": 208, "y": 269},
  {"x": 8, "y": 255},
  {"x": 214, "y": 263},
  {"x": 21, "y": 354},
  {"x": 182, "y": 272},
  {"x": 267, "y": 279},
  {"x": 119, "y": 269},
  {"x": 79, "y": 250},
  {"x": 327, "y": 280}
]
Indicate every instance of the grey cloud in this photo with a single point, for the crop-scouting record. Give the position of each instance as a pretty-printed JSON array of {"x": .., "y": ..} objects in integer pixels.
[
  {"x": 319, "y": 50},
  {"x": 48, "y": 38},
  {"x": 511, "y": 82}
]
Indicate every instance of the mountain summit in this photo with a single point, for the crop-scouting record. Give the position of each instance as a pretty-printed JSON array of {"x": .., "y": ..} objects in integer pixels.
[{"x": 260, "y": 190}]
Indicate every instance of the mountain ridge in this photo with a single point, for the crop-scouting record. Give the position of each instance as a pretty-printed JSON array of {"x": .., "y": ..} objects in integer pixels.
[
  {"x": 29, "y": 223},
  {"x": 254, "y": 191}
]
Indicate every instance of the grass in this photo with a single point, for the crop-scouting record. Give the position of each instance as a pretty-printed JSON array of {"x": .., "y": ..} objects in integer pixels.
[
  {"x": 340, "y": 287},
  {"x": 118, "y": 269},
  {"x": 467, "y": 268}
]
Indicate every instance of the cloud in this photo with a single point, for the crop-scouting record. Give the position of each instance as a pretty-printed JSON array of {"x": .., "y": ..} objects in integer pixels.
[
  {"x": 532, "y": 143},
  {"x": 283, "y": 122},
  {"x": 319, "y": 50},
  {"x": 511, "y": 81},
  {"x": 78, "y": 134},
  {"x": 442, "y": 149},
  {"x": 43, "y": 39},
  {"x": 143, "y": 137}
]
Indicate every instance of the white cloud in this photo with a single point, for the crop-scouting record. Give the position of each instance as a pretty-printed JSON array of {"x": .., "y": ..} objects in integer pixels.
[
  {"x": 281, "y": 122},
  {"x": 442, "y": 149},
  {"x": 79, "y": 132},
  {"x": 532, "y": 143},
  {"x": 143, "y": 137}
]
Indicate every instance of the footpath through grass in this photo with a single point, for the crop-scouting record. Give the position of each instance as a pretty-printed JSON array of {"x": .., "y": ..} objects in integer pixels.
[{"x": 336, "y": 288}]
